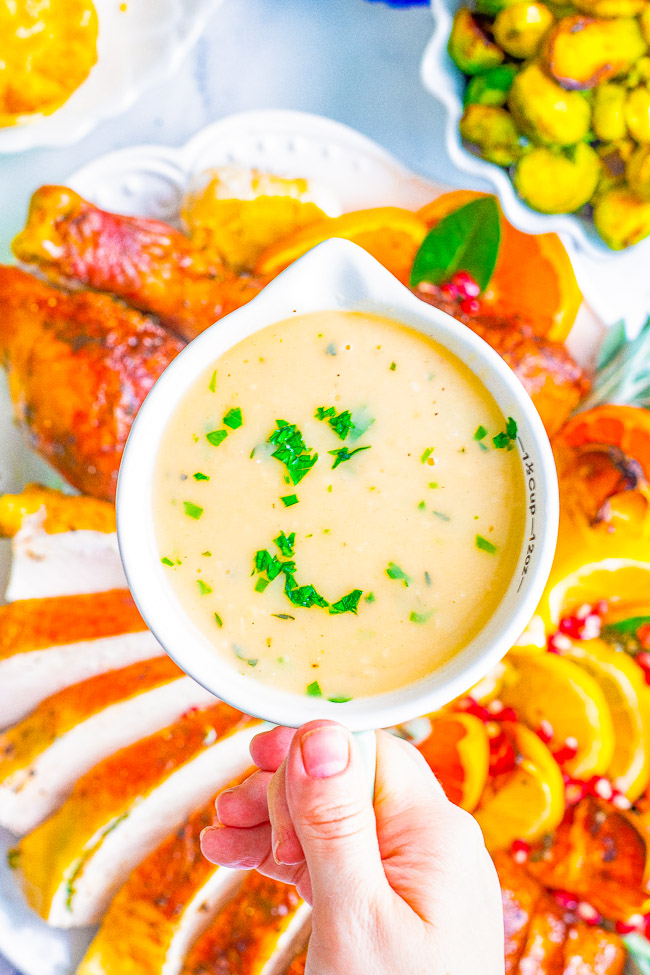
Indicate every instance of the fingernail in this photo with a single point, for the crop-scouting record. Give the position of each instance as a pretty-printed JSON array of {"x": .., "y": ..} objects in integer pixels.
[
  {"x": 325, "y": 751},
  {"x": 206, "y": 832}
]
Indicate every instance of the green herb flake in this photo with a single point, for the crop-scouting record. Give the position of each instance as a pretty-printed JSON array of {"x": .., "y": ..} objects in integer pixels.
[
  {"x": 393, "y": 366},
  {"x": 283, "y": 616},
  {"x": 481, "y": 432},
  {"x": 427, "y": 578},
  {"x": 216, "y": 437},
  {"x": 13, "y": 858},
  {"x": 289, "y": 499},
  {"x": 291, "y": 450},
  {"x": 192, "y": 510},
  {"x": 426, "y": 455},
  {"x": 252, "y": 454},
  {"x": 286, "y": 543},
  {"x": 442, "y": 516},
  {"x": 324, "y": 412},
  {"x": 261, "y": 584},
  {"x": 204, "y": 588},
  {"x": 342, "y": 454},
  {"x": 433, "y": 484},
  {"x": 305, "y": 596},
  {"x": 201, "y": 477},
  {"x": 166, "y": 561},
  {"x": 212, "y": 385},
  {"x": 206, "y": 554},
  {"x": 339, "y": 700},
  {"x": 241, "y": 655},
  {"x": 218, "y": 620},
  {"x": 341, "y": 423},
  {"x": 420, "y": 617},
  {"x": 233, "y": 418},
  {"x": 313, "y": 689},
  {"x": 422, "y": 505},
  {"x": 395, "y": 572},
  {"x": 485, "y": 545},
  {"x": 331, "y": 349},
  {"x": 370, "y": 598},
  {"x": 347, "y": 604},
  {"x": 508, "y": 437}
]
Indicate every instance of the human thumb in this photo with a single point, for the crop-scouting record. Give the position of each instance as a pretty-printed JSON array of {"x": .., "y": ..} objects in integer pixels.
[{"x": 330, "y": 803}]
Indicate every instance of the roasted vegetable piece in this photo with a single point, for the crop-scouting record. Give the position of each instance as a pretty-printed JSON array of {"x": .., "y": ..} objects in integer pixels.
[
  {"x": 637, "y": 113},
  {"x": 493, "y": 131},
  {"x": 638, "y": 172},
  {"x": 614, "y": 157},
  {"x": 519, "y": 29},
  {"x": 582, "y": 52},
  {"x": 62, "y": 512},
  {"x": 469, "y": 45},
  {"x": 149, "y": 264},
  {"x": 611, "y": 8},
  {"x": 558, "y": 182},
  {"x": 592, "y": 951},
  {"x": 621, "y": 218},
  {"x": 520, "y": 894},
  {"x": 609, "y": 112},
  {"x": 80, "y": 364},
  {"x": 492, "y": 87},
  {"x": 545, "y": 111}
]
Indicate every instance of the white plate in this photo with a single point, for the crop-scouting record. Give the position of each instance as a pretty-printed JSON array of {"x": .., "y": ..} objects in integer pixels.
[
  {"x": 137, "y": 47},
  {"x": 446, "y": 82}
]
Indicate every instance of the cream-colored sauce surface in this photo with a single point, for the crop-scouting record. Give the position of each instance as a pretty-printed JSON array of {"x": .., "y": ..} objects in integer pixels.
[{"x": 388, "y": 506}]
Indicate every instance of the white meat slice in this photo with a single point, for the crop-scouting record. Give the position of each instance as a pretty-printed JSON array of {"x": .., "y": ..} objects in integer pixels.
[
  {"x": 34, "y": 792},
  {"x": 28, "y": 678}
]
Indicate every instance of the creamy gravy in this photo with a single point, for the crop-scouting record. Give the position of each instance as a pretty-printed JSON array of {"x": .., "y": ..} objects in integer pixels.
[{"x": 422, "y": 512}]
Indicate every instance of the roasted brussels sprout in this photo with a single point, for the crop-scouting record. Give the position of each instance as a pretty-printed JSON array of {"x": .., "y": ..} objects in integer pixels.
[
  {"x": 644, "y": 20},
  {"x": 492, "y": 87},
  {"x": 608, "y": 119},
  {"x": 637, "y": 114},
  {"x": 557, "y": 182},
  {"x": 546, "y": 112},
  {"x": 611, "y": 8},
  {"x": 582, "y": 52},
  {"x": 469, "y": 45},
  {"x": 614, "y": 157},
  {"x": 519, "y": 29},
  {"x": 493, "y": 131},
  {"x": 638, "y": 172},
  {"x": 621, "y": 218}
]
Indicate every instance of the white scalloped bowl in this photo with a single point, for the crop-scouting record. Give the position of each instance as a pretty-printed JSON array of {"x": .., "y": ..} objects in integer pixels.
[
  {"x": 138, "y": 46},
  {"x": 444, "y": 80}
]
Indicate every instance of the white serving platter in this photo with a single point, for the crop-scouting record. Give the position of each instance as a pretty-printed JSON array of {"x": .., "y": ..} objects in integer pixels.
[
  {"x": 347, "y": 171},
  {"x": 140, "y": 43}
]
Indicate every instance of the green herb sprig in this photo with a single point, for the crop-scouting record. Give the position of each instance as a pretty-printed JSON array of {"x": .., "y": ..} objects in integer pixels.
[
  {"x": 291, "y": 450},
  {"x": 343, "y": 454}
]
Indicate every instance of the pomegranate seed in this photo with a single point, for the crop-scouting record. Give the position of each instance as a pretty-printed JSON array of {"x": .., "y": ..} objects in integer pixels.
[
  {"x": 601, "y": 607},
  {"x": 470, "y": 306},
  {"x": 634, "y": 923},
  {"x": 568, "y": 751},
  {"x": 588, "y": 914},
  {"x": 495, "y": 707},
  {"x": 646, "y": 925},
  {"x": 471, "y": 706},
  {"x": 603, "y": 788},
  {"x": 499, "y": 713},
  {"x": 571, "y": 626},
  {"x": 574, "y": 791},
  {"x": 583, "y": 611},
  {"x": 450, "y": 291},
  {"x": 545, "y": 731},
  {"x": 558, "y": 643},
  {"x": 502, "y": 755},
  {"x": 591, "y": 627},
  {"x": 643, "y": 634},
  {"x": 566, "y": 899},
  {"x": 643, "y": 660},
  {"x": 520, "y": 851},
  {"x": 466, "y": 285},
  {"x": 621, "y": 801}
]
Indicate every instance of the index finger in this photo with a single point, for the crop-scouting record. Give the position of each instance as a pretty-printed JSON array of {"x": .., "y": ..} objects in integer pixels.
[{"x": 270, "y": 748}]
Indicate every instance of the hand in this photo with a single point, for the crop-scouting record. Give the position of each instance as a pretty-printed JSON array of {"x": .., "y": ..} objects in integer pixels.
[{"x": 407, "y": 887}]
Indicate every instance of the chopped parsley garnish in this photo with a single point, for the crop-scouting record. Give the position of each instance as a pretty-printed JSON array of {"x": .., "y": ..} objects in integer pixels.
[
  {"x": 313, "y": 689},
  {"x": 265, "y": 562},
  {"x": 286, "y": 543},
  {"x": 216, "y": 437},
  {"x": 291, "y": 450},
  {"x": 342, "y": 454},
  {"x": 420, "y": 617},
  {"x": 508, "y": 437},
  {"x": 425, "y": 456},
  {"x": 252, "y": 454},
  {"x": 485, "y": 545},
  {"x": 289, "y": 499},
  {"x": 370, "y": 598},
  {"x": 233, "y": 418},
  {"x": 207, "y": 553},
  {"x": 201, "y": 477},
  {"x": 442, "y": 516},
  {"x": 393, "y": 366},
  {"x": 218, "y": 620},
  {"x": 261, "y": 584},
  {"x": 305, "y": 596},
  {"x": 204, "y": 588},
  {"x": 241, "y": 655},
  {"x": 192, "y": 510},
  {"x": 427, "y": 578},
  {"x": 339, "y": 700},
  {"x": 331, "y": 349},
  {"x": 347, "y": 604},
  {"x": 341, "y": 423},
  {"x": 212, "y": 385},
  {"x": 422, "y": 505},
  {"x": 433, "y": 484},
  {"x": 481, "y": 433},
  {"x": 166, "y": 561},
  {"x": 283, "y": 616},
  {"x": 395, "y": 572}
]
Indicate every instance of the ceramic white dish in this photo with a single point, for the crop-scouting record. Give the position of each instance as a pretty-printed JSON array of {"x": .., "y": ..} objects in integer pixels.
[
  {"x": 446, "y": 82},
  {"x": 140, "y": 43},
  {"x": 336, "y": 275}
]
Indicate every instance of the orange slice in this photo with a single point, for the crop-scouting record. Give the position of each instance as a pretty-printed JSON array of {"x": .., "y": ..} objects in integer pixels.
[
  {"x": 624, "y": 582},
  {"x": 526, "y": 803},
  {"x": 546, "y": 687},
  {"x": 458, "y": 752},
  {"x": 627, "y": 696},
  {"x": 533, "y": 277},
  {"x": 238, "y": 213},
  {"x": 390, "y": 234},
  {"x": 63, "y": 512}
]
